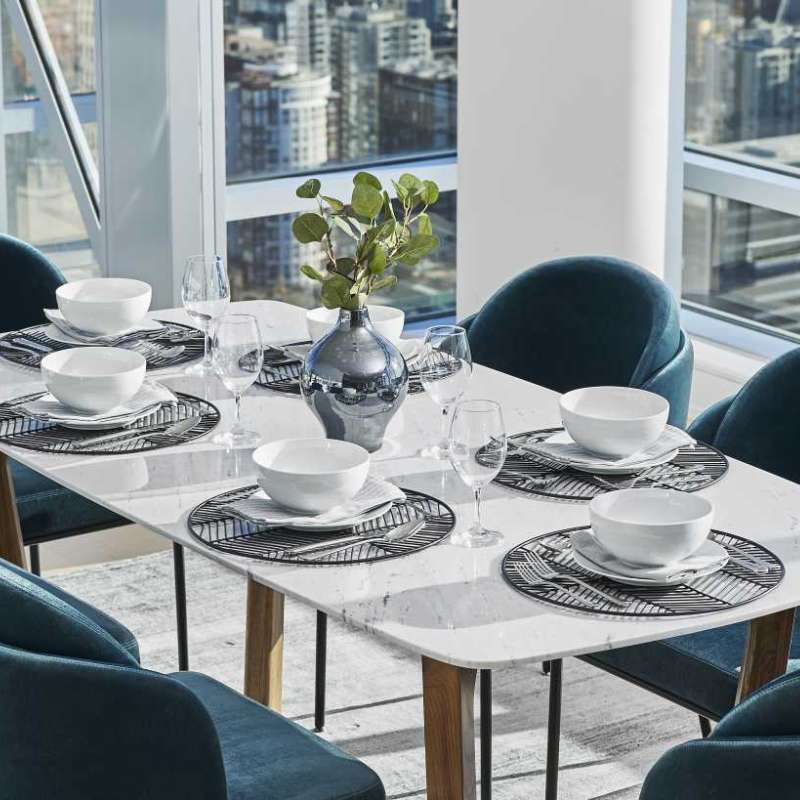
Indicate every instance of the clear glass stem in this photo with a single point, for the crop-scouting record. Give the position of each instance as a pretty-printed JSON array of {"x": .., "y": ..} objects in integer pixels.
[
  {"x": 207, "y": 348},
  {"x": 444, "y": 442},
  {"x": 478, "y": 524},
  {"x": 237, "y": 422}
]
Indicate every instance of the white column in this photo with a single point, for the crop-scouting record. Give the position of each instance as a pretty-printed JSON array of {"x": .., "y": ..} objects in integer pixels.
[
  {"x": 159, "y": 195},
  {"x": 570, "y": 136}
]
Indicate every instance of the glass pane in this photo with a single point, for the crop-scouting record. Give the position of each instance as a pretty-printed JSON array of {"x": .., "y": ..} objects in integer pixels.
[
  {"x": 71, "y": 27},
  {"x": 322, "y": 82},
  {"x": 36, "y": 200},
  {"x": 743, "y": 260},
  {"x": 264, "y": 261},
  {"x": 743, "y": 74}
]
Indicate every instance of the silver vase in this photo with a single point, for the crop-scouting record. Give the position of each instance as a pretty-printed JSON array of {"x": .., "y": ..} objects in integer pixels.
[{"x": 354, "y": 380}]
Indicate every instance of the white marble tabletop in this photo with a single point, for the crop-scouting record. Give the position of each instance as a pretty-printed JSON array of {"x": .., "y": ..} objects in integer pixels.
[{"x": 446, "y": 602}]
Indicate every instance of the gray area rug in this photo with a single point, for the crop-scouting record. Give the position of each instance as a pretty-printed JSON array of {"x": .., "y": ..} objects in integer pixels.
[{"x": 612, "y": 731}]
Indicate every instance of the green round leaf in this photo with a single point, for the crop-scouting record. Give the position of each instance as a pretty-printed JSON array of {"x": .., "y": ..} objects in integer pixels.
[
  {"x": 309, "y": 228},
  {"x": 336, "y": 205},
  {"x": 336, "y": 292},
  {"x": 309, "y": 189},
  {"x": 425, "y": 226},
  {"x": 377, "y": 261},
  {"x": 411, "y": 183},
  {"x": 345, "y": 265},
  {"x": 384, "y": 283},
  {"x": 367, "y": 200},
  {"x": 310, "y": 272},
  {"x": 368, "y": 179},
  {"x": 416, "y": 248},
  {"x": 430, "y": 193}
]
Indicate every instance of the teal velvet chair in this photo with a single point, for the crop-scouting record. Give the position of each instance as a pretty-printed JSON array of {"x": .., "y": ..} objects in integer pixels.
[
  {"x": 759, "y": 425},
  {"x": 752, "y": 754},
  {"x": 80, "y": 719},
  {"x": 587, "y": 321},
  {"x": 48, "y": 511}
]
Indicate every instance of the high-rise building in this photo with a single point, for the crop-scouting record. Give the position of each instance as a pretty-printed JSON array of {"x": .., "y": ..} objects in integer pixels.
[
  {"x": 302, "y": 24},
  {"x": 364, "y": 40},
  {"x": 417, "y": 102},
  {"x": 277, "y": 115}
]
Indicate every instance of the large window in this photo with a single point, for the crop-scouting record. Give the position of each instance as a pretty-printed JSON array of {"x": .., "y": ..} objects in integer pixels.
[
  {"x": 327, "y": 86},
  {"x": 741, "y": 229},
  {"x": 37, "y": 199}
]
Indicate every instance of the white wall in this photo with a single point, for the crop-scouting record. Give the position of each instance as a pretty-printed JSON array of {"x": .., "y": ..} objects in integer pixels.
[{"x": 570, "y": 136}]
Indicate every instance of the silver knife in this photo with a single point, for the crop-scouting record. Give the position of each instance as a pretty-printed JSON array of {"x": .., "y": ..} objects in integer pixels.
[
  {"x": 165, "y": 430},
  {"x": 343, "y": 543}
]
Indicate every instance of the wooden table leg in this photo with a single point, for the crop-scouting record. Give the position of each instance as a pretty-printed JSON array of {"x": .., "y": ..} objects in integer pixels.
[
  {"x": 767, "y": 651},
  {"x": 448, "y": 698},
  {"x": 11, "y": 547},
  {"x": 263, "y": 652}
]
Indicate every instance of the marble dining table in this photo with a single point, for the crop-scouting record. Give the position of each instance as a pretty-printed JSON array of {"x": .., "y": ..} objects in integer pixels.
[{"x": 448, "y": 605}]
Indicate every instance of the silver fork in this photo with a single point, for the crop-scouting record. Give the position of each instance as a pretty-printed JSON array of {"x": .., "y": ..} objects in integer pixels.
[{"x": 547, "y": 574}]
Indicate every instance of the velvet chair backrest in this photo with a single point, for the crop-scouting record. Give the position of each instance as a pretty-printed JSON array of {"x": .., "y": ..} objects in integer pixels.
[
  {"x": 74, "y": 729},
  {"x": 583, "y": 321},
  {"x": 29, "y": 284},
  {"x": 39, "y": 617},
  {"x": 761, "y": 424}
]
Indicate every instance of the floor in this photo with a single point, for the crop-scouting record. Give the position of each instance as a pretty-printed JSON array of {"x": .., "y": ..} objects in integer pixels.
[{"x": 612, "y": 732}]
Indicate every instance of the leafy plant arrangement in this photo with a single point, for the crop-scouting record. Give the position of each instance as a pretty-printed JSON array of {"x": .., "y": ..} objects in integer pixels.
[{"x": 382, "y": 237}]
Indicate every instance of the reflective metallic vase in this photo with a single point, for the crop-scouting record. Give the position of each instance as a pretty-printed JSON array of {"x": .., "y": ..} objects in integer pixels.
[{"x": 354, "y": 380}]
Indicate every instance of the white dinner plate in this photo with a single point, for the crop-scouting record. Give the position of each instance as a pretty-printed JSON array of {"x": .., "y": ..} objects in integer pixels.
[
  {"x": 628, "y": 469},
  {"x": 410, "y": 348},
  {"x": 709, "y": 558}
]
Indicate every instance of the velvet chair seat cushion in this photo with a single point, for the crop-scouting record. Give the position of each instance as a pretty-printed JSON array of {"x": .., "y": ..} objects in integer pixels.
[
  {"x": 39, "y": 617},
  {"x": 576, "y": 322},
  {"x": 701, "y": 668},
  {"x": 267, "y": 756},
  {"x": 49, "y": 511}
]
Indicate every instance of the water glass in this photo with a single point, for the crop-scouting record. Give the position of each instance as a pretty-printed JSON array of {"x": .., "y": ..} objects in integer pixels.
[
  {"x": 206, "y": 293},
  {"x": 445, "y": 369},
  {"x": 477, "y": 451},
  {"x": 237, "y": 355}
]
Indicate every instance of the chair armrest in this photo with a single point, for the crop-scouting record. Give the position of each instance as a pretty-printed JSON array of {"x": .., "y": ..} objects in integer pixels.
[
  {"x": 674, "y": 381},
  {"x": 770, "y": 712},
  {"x": 705, "y": 426},
  {"x": 83, "y": 730},
  {"x": 726, "y": 769}
]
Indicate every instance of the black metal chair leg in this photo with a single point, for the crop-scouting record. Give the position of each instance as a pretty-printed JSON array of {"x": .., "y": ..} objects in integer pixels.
[
  {"x": 321, "y": 663},
  {"x": 705, "y": 727},
  {"x": 545, "y": 667},
  {"x": 486, "y": 733},
  {"x": 180, "y": 606},
  {"x": 36, "y": 564},
  {"x": 553, "y": 731}
]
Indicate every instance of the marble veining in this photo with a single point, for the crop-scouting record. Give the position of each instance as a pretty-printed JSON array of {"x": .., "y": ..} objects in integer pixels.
[{"x": 446, "y": 602}]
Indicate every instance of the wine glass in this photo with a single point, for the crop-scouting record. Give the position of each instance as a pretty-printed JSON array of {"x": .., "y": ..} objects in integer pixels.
[
  {"x": 445, "y": 368},
  {"x": 237, "y": 355},
  {"x": 477, "y": 452},
  {"x": 205, "y": 292}
]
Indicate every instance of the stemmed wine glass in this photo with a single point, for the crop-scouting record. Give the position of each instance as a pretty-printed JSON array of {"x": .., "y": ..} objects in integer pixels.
[
  {"x": 237, "y": 355},
  {"x": 205, "y": 292},
  {"x": 445, "y": 368},
  {"x": 477, "y": 451}
]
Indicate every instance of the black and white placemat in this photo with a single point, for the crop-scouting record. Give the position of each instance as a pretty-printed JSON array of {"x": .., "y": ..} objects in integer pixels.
[
  {"x": 750, "y": 573},
  {"x": 147, "y": 433},
  {"x": 212, "y": 524},
  {"x": 691, "y": 469},
  {"x": 282, "y": 375},
  {"x": 171, "y": 346}
]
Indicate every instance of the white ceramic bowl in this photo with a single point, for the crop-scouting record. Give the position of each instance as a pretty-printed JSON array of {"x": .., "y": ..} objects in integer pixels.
[
  {"x": 654, "y": 527},
  {"x": 387, "y": 321},
  {"x": 614, "y": 420},
  {"x": 311, "y": 475},
  {"x": 104, "y": 305},
  {"x": 93, "y": 379}
]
